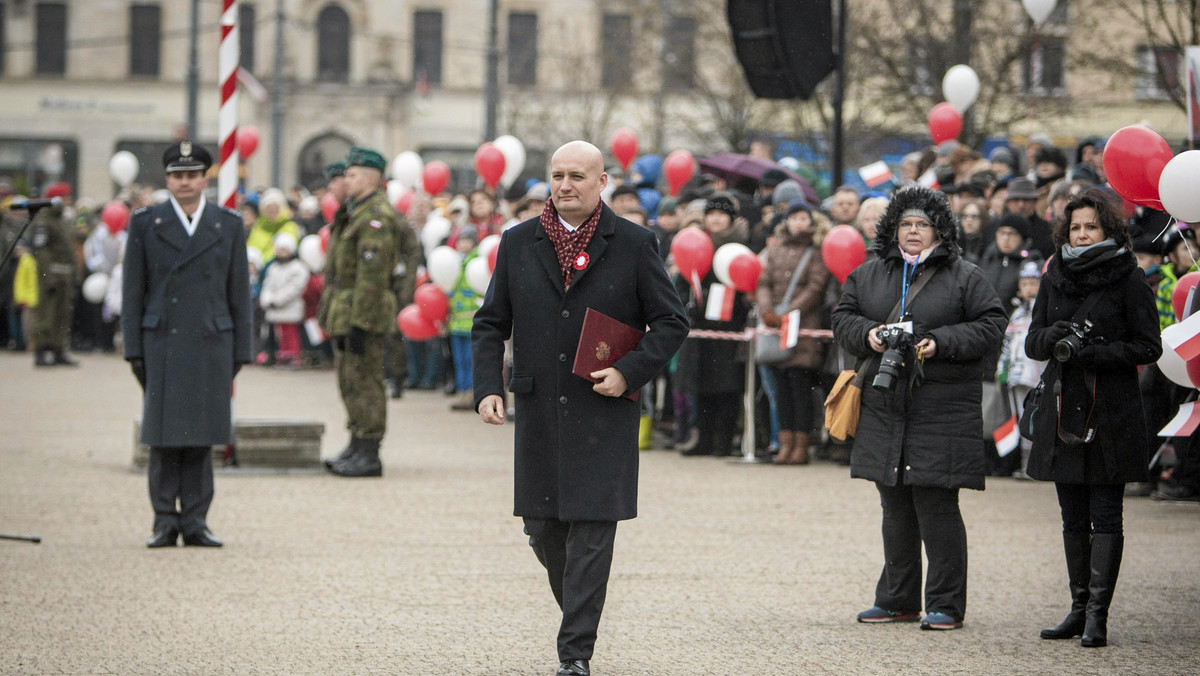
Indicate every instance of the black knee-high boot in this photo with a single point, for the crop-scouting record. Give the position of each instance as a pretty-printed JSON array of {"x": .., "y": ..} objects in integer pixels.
[
  {"x": 1078, "y": 547},
  {"x": 1106, "y": 565}
]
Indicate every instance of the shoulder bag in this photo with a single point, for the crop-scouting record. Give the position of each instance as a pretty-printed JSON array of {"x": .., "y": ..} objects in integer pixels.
[{"x": 767, "y": 348}]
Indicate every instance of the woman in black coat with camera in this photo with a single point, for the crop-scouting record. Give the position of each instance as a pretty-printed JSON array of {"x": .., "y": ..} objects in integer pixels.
[
  {"x": 919, "y": 438},
  {"x": 1095, "y": 320}
]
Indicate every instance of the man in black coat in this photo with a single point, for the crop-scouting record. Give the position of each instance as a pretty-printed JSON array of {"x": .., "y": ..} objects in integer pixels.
[
  {"x": 186, "y": 319},
  {"x": 576, "y": 440}
]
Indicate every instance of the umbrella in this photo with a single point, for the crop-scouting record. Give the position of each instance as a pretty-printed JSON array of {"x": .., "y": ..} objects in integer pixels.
[{"x": 732, "y": 166}]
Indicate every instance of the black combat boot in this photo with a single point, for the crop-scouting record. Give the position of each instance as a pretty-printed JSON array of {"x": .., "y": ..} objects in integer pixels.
[
  {"x": 1078, "y": 547},
  {"x": 350, "y": 449},
  {"x": 42, "y": 358},
  {"x": 61, "y": 359},
  {"x": 1106, "y": 564},
  {"x": 363, "y": 463}
]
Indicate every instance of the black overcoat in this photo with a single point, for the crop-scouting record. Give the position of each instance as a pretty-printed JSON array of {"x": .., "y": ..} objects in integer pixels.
[
  {"x": 186, "y": 311},
  {"x": 933, "y": 436},
  {"x": 1125, "y": 335},
  {"x": 576, "y": 453}
]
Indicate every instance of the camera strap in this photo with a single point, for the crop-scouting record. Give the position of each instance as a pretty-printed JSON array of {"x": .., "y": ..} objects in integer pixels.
[
  {"x": 1089, "y": 383},
  {"x": 906, "y": 299}
]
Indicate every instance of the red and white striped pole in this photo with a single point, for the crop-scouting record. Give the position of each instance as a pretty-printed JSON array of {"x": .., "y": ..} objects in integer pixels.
[{"x": 229, "y": 57}]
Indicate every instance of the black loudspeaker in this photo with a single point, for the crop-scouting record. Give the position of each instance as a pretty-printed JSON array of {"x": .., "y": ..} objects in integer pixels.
[{"x": 785, "y": 46}]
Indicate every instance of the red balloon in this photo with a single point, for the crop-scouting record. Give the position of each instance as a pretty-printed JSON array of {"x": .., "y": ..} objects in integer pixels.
[
  {"x": 247, "y": 141},
  {"x": 414, "y": 325},
  {"x": 1180, "y": 293},
  {"x": 692, "y": 250},
  {"x": 1134, "y": 158},
  {"x": 944, "y": 123},
  {"x": 624, "y": 146},
  {"x": 432, "y": 301},
  {"x": 492, "y": 257},
  {"x": 323, "y": 233},
  {"x": 404, "y": 201},
  {"x": 679, "y": 168},
  {"x": 1193, "y": 371},
  {"x": 115, "y": 216},
  {"x": 422, "y": 276},
  {"x": 329, "y": 206},
  {"x": 843, "y": 250},
  {"x": 436, "y": 176},
  {"x": 744, "y": 271},
  {"x": 489, "y": 164}
]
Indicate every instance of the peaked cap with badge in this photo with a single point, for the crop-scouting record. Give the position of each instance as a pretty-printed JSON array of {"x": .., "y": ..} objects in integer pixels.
[
  {"x": 186, "y": 156},
  {"x": 365, "y": 157}
]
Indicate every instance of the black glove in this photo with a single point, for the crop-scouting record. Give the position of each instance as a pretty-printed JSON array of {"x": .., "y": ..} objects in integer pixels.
[
  {"x": 356, "y": 341},
  {"x": 237, "y": 366},
  {"x": 1058, "y": 330},
  {"x": 139, "y": 371}
]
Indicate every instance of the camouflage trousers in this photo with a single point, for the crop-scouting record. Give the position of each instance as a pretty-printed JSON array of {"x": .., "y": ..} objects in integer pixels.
[
  {"x": 360, "y": 382},
  {"x": 51, "y": 328},
  {"x": 396, "y": 358}
]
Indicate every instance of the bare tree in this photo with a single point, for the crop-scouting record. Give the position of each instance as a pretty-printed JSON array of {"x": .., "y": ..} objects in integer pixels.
[{"x": 1173, "y": 24}]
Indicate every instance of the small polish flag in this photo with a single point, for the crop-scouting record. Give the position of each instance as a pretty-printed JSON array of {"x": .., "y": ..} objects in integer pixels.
[
  {"x": 1184, "y": 423},
  {"x": 929, "y": 180},
  {"x": 875, "y": 174},
  {"x": 1007, "y": 437},
  {"x": 1184, "y": 337},
  {"x": 789, "y": 331},
  {"x": 720, "y": 303}
]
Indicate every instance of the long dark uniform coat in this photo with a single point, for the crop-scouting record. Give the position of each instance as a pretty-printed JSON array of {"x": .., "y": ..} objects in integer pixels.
[
  {"x": 576, "y": 451},
  {"x": 1125, "y": 334},
  {"x": 186, "y": 311},
  {"x": 933, "y": 436}
]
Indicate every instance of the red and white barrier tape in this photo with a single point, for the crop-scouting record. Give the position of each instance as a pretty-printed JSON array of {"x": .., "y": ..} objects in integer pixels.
[{"x": 748, "y": 335}]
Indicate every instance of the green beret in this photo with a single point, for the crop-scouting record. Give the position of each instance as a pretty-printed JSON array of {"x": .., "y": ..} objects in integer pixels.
[
  {"x": 365, "y": 157},
  {"x": 335, "y": 169}
]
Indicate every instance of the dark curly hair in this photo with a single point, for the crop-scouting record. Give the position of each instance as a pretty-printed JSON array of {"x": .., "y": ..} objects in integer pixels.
[
  {"x": 1108, "y": 212},
  {"x": 933, "y": 203}
]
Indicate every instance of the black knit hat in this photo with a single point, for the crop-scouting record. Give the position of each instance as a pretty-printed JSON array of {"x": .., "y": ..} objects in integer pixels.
[
  {"x": 720, "y": 203},
  {"x": 1016, "y": 222}
]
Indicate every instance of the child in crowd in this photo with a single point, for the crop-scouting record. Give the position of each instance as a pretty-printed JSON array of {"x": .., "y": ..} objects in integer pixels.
[
  {"x": 1015, "y": 370},
  {"x": 464, "y": 301},
  {"x": 25, "y": 296},
  {"x": 282, "y": 299}
]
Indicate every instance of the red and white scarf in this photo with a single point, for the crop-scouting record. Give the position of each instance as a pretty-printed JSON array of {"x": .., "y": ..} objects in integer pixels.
[{"x": 567, "y": 244}]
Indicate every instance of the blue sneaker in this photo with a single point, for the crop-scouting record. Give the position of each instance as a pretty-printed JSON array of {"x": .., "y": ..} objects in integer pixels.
[
  {"x": 940, "y": 621},
  {"x": 875, "y": 615}
]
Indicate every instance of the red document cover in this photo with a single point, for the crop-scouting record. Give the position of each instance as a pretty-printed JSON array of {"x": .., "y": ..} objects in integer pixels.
[{"x": 602, "y": 342}]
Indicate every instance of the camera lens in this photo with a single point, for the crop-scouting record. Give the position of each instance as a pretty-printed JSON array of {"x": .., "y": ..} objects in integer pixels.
[{"x": 1066, "y": 348}]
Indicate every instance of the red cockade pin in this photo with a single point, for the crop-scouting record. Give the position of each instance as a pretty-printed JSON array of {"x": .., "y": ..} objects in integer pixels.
[{"x": 581, "y": 261}]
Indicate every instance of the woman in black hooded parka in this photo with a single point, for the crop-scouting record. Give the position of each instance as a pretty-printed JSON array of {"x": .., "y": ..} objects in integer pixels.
[
  {"x": 1098, "y": 442},
  {"x": 920, "y": 441}
]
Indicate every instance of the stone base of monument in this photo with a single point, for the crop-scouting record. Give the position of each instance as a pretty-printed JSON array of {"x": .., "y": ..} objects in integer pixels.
[{"x": 281, "y": 445}]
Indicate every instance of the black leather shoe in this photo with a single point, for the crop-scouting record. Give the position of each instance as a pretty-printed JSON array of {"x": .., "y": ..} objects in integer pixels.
[
  {"x": 202, "y": 538},
  {"x": 163, "y": 537},
  {"x": 43, "y": 358},
  {"x": 574, "y": 668},
  {"x": 61, "y": 359}
]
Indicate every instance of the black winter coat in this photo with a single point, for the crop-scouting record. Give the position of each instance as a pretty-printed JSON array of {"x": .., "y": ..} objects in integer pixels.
[
  {"x": 1003, "y": 271},
  {"x": 930, "y": 437},
  {"x": 576, "y": 453},
  {"x": 1125, "y": 335}
]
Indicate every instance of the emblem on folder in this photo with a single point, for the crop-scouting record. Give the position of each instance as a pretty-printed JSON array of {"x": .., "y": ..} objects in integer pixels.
[{"x": 603, "y": 351}]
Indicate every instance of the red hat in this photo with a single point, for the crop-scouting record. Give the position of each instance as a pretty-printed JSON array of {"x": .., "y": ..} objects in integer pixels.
[{"x": 59, "y": 189}]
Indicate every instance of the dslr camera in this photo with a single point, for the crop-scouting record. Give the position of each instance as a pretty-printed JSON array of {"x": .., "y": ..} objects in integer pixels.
[
  {"x": 1066, "y": 348},
  {"x": 891, "y": 366}
]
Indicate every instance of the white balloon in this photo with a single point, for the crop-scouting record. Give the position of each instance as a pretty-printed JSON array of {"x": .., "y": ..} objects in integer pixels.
[
  {"x": 1177, "y": 186},
  {"x": 790, "y": 163},
  {"x": 479, "y": 275},
  {"x": 724, "y": 256},
  {"x": 394, "y": 190},
  {"x": 95, "y": 286},
  {"x": 487, "y": 244},
  {"x": 443, "y": 265},
  {"x": 310, "y": 252},
  {"x": 123, "y": 167},
  {"x": 407, "y": 168},
  {"x": 514, "y": 158},
  {"x": 960, "y": 86},
  {"x": 1039, "y": 10},
  {"x": 434, "y": 232},
  {"x": 1171, "y": 364}
]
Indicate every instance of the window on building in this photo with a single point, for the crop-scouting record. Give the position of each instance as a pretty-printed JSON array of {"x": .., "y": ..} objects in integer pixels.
[
  {"x": 427, "y": 47},
  {"x": 1058, "y": 16},
  {"x": 51, "y": 38},
  {"x": 3, "y": 30},
  {"x": 145, "y": 39},
  {"x": 522, "y": 48},
  {"x": 333, "y": 44},
  {"x": 679, "y": 71},
  {"x": 246, "y": 27},
  {"x": 616, "y": 43},
  {"x": 1158, "y": 73},
  {"x": 1045, "y": 67}
]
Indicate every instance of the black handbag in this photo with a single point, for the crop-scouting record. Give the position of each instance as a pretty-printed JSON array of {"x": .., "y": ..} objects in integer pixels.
[{"x": 1033, "y": 400}]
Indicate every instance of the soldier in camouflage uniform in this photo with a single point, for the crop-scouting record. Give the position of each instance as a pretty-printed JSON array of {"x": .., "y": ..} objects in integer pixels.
[
  {"x": 404, "y": 284},
  {"x": 358, "y": 308},
  {"x": 53, "y": 239}
]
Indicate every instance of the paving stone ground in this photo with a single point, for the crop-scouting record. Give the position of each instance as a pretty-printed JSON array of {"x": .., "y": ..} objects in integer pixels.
[{"x": 729, "y": 569}]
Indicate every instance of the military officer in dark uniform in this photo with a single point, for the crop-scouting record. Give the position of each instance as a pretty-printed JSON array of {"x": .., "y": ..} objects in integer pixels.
[
  {"x": 53, "y": 241},
  {"x": 187, "y": 321},
  {"x": 358, "y": 308},
  {"x": 576, "y": 441},
  {"x": 404, "y": 284}
]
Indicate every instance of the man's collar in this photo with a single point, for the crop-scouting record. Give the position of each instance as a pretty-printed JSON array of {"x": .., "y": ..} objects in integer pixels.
[{"x": 198, "y": 211}]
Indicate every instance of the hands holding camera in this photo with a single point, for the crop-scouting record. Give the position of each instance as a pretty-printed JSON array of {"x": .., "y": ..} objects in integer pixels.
[{"x": 925, "y": 348}]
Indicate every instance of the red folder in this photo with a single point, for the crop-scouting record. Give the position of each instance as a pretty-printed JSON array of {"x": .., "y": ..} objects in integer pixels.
[{"x": 602, "y": 342}]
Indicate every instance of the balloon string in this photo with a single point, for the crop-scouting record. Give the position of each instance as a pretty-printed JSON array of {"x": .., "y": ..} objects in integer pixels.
[
  {"x": 1170, "y": 221},
  {"x": 696, "y": 286}
]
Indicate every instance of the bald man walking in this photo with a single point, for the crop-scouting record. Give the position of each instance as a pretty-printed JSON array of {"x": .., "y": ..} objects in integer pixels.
[{"x": 576, "y": 450}]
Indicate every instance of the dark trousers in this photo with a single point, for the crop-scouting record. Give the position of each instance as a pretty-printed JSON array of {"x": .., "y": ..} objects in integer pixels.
[
  {"x": 1091, "y": 509},
  {"x": 183, "y": 476},
  {"x": 912, "y": 515},
  {"x": 577, "y": 556},
  {"x": 794, "y": 398},
  {"x": 716, "y": 420}
]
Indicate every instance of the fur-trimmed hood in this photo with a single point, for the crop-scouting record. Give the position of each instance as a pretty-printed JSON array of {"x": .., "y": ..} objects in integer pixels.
[{"x": 932, "y": 202}]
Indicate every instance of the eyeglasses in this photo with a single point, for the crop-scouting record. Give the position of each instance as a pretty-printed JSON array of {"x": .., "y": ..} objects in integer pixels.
[{"x": 916, "y": 225}]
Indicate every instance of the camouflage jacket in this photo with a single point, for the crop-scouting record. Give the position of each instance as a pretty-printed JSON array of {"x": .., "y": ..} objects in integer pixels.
[
  {"x": 53, "y": 240},
  {"x": 358, "y": 268}
]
